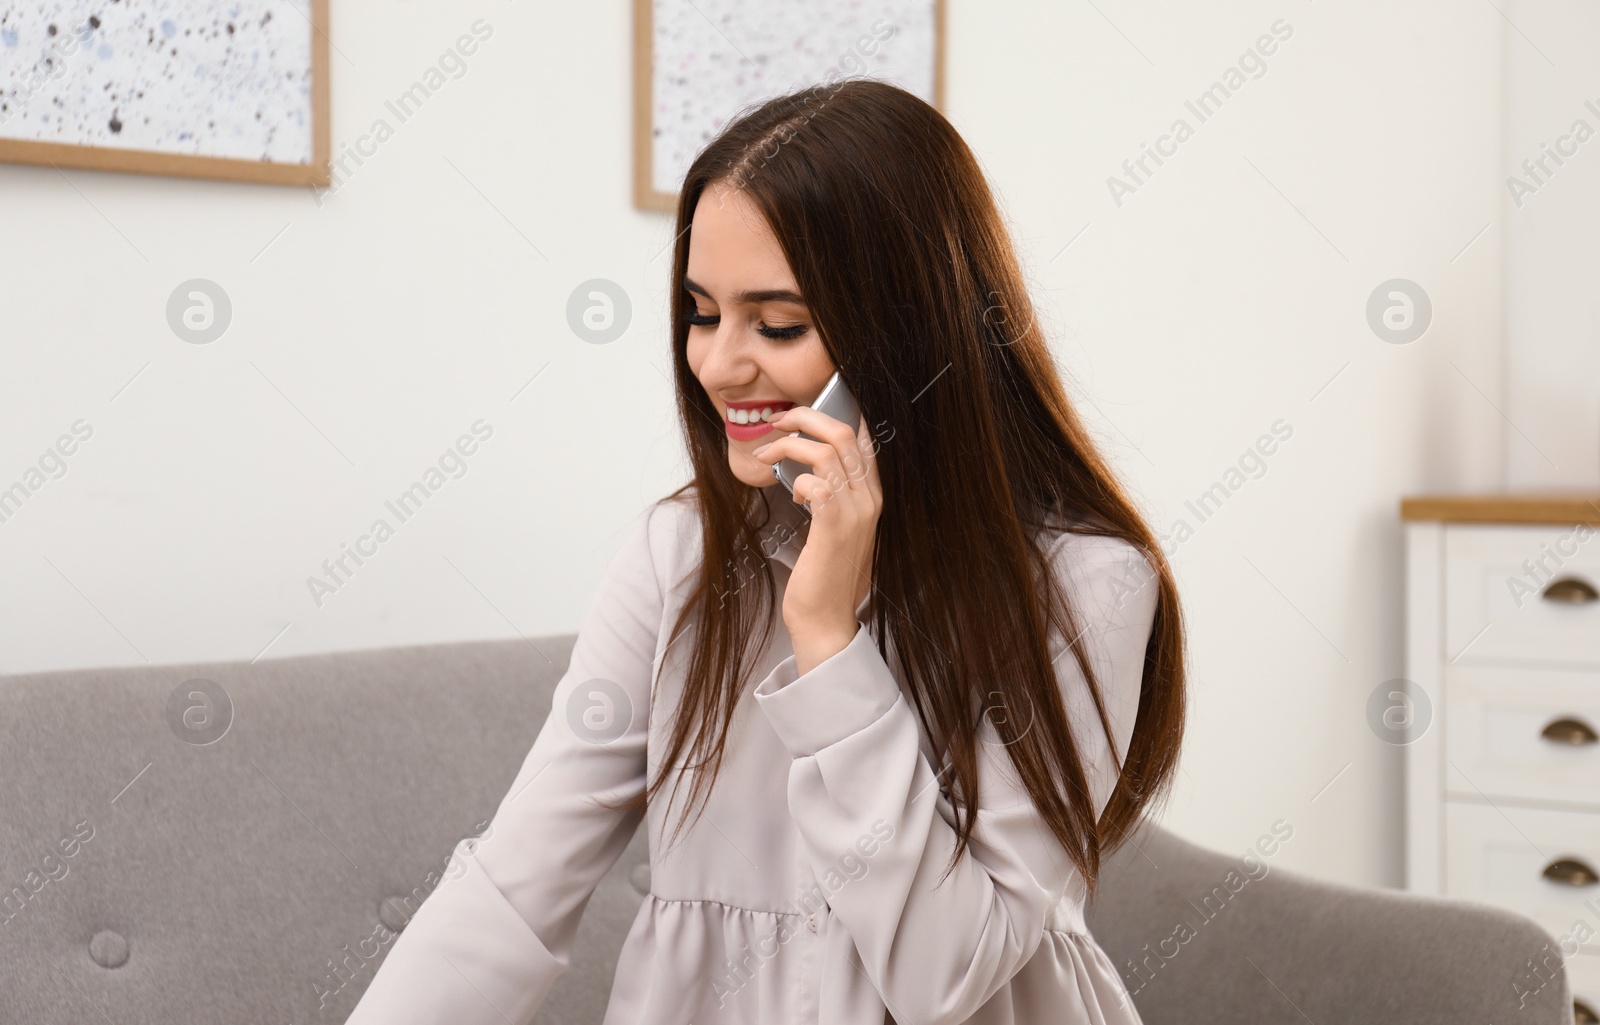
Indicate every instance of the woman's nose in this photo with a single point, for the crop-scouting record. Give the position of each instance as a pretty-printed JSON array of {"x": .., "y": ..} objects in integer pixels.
[{"x": 727, "y": 361}]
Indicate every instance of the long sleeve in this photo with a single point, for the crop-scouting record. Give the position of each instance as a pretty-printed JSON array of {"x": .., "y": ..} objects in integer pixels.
[
  {"x": 488, "y": 943},
  {"x": 936, "y": 952}
]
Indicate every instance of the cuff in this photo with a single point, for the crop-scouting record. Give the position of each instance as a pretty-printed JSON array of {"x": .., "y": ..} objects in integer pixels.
[
  {"x": 466, "y": 957},
  {"x": 845, "y": 694}
]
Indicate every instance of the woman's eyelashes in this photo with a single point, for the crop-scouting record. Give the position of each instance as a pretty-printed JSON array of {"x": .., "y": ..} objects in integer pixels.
[{"x": 783, "y": 333}]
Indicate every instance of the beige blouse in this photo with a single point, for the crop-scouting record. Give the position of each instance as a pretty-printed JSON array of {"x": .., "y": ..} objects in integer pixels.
[{"x": 806, "y": 891}]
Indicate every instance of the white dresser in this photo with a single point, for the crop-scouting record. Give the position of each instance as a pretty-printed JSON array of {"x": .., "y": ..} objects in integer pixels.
[{"x": 1500, "y": 728}]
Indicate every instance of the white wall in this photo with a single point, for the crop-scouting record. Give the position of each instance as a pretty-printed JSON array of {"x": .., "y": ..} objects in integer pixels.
[
  {"x": 371, "y": 330},
  {"x": 1553, "y": 261}
]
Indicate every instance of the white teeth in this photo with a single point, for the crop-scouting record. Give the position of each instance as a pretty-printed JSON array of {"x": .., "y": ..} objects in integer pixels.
[{"x": 750, "y": 416}]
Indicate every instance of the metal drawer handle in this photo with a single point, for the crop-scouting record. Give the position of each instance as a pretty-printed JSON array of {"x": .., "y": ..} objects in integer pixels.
[
  {"x": 1571, "y": 590},
  {"x": 1569, "y": 731},
  {"x": 1583, "y": 1014},
  {"x": 1570, "y": 872}
]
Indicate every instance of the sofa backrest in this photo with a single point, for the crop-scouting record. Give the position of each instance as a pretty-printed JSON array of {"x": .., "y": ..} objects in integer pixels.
[
  {"x": 167, "y": 858},
  {"x": 234, "y": 841}
]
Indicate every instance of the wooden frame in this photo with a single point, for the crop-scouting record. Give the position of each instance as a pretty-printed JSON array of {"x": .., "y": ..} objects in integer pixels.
[
  {"x": 645, "y": 195},
  {"x": 138, "y": 161}
]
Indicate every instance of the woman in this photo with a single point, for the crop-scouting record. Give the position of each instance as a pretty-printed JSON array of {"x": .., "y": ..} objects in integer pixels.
[{"x": 970, "y": 593}]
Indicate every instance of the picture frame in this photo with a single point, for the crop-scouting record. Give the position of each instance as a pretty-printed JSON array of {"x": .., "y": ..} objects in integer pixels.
[
  {"x": 927, "y": 60},
  {"x": 314, "y": 172}
]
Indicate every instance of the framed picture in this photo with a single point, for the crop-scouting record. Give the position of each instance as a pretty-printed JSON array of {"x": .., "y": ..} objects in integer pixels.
[
  {"x": 236, "y": 91},
  {"x": 698, "y": 62}
]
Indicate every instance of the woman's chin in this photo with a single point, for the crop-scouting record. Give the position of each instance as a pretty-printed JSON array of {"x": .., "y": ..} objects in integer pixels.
[{"x": 759, "y": 476}]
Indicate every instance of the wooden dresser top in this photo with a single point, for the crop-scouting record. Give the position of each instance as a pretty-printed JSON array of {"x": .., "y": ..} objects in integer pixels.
[{"x": 1558, "y": 507}]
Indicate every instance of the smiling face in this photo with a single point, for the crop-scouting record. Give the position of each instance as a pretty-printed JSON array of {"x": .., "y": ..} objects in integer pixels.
[{"x": 752, "y": 343}]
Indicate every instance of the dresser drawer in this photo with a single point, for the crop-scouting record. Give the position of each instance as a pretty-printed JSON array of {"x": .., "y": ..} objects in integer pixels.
[
  {"x": 1523, "y": 733},
  {"x": 1500, "y": 855},
  {"x": 1522, "y": 594},
  {"x": 1583, "y": 971}
]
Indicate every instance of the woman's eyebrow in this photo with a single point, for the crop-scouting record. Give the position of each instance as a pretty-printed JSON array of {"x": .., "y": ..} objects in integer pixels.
[{"x": 765, "y": 295}]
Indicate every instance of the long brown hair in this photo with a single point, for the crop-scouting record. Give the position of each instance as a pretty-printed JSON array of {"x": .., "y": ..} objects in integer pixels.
[{"x": 909, "y": 275}]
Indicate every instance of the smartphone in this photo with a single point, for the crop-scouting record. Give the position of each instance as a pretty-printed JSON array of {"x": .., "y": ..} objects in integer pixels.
[{"x": 836, "y": 401}]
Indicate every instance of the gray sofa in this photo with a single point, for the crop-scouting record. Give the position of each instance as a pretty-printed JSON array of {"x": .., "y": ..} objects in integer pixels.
[{"x": 168, "y": 859}]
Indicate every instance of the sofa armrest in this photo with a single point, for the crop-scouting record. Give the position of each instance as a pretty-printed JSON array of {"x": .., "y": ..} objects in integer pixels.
[{"x": 1203, "y": 938}]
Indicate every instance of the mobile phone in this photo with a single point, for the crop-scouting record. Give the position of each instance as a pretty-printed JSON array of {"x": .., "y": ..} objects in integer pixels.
[{"x": 836, "y": 401}]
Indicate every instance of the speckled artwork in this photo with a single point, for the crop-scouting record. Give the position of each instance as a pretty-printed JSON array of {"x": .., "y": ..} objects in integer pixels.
[
  {"x": 214, "y": 79},
  {"x": 710, "y": 58}
]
